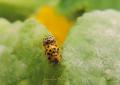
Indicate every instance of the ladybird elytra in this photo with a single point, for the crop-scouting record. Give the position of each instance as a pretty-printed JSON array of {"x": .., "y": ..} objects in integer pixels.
[{"x": 52, "y": 50}]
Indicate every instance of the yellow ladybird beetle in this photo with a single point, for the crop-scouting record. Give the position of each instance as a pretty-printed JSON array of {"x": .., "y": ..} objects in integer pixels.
[{"x": 52, "y": 50}]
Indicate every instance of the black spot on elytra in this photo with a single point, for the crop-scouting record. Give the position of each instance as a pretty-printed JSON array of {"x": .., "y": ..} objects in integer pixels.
[
  {"x": 50, "y": 50},
  {"x": 48, "y": 46},
  {"x": 54, "y": 49},
  {"x": 48, "y": 54}
]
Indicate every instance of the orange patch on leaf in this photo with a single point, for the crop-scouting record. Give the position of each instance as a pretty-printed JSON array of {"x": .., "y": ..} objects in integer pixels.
[{"x": 58, "y": 24}]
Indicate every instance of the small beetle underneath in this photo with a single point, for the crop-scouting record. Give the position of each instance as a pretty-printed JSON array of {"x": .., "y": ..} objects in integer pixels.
[{"x": 52, "y": 50}]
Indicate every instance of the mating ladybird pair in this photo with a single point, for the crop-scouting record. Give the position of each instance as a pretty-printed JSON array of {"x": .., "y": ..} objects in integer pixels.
[{"x": 52, "y": 50}]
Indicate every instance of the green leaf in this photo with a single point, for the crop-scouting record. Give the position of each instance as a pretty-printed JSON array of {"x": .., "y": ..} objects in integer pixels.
[
  {"x": 92, "y": 51},
  {"x": 21, "y": 50}
]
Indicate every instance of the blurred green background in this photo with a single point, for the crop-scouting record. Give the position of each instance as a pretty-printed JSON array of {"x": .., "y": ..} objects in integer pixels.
[{"x": 22, "y": 9}]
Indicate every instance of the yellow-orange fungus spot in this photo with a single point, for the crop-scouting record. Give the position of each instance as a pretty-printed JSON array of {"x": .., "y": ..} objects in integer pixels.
[{"x": 57, "y": 24}]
